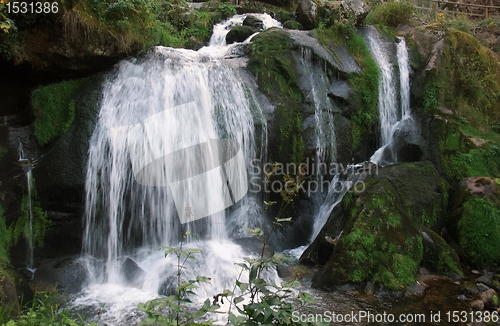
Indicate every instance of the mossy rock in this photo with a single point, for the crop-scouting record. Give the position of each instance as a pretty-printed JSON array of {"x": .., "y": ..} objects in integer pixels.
[
  {"x": 475, "y": 220},
  {"x": 273, "y": 62},
  {"x": 239, "y": 34},
  {"x": 292, "y": 24},
  {"x": 8, "y": 296},
  {"x": 383, "y": 238}
]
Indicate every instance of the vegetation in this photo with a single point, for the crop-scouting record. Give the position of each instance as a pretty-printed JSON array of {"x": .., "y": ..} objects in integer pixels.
[
  {"x": 391, "y": 13},
  {"x": 479, "y": 231},
  {"x": 337, "y": 26},
  {"x": 4, "y": 239},
  {"x": 256, "y": 301},
  {"x": 274, "y": 65},
  {"x": 125, "y": 25},
  {"x": 54, "y": 107},
  {"x": 39, "y": 222},
  {"x": 43, "y": 310}
]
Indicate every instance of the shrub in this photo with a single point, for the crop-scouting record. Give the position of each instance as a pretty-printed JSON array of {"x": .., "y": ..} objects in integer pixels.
[{"x": 392, "y": 13}]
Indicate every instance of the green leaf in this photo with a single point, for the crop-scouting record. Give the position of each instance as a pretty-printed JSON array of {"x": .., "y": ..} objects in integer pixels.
[
  {"x": 202, "y": 279},
  {"x": 290, "y": 284},
  {"x": 238, "y": 300},
  {"x": 288, "y": 219},
  {"x": 168, "y": 250},
  {"x": 194, "y": 250},
  {"x": 253, "y": 272}
]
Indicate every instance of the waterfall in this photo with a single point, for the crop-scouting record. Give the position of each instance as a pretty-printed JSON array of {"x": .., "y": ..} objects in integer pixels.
[
  {"x": 24, "y": 161},
  {"x": 170, "y": 101},
  {"x": 404, "y": 77},
  {"x": 391, "y": 113}
]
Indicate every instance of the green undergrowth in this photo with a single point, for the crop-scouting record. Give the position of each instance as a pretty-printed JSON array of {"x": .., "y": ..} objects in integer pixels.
[
  {"x": 54, "y": 107},
  {"x": 479, "y": 231},
  {"x": 364, "y": 84},
  {"x": 116, "y": 25},
  {"x": 5, "y": 237},
  {"x": 45, "y": 309},
  {"x": 391, "y": 14},
  {"x": 274, "y": 65}
]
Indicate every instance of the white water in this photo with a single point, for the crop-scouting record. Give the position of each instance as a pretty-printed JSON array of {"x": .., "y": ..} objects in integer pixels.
[
  {"x": 169, "y": 100},
  {"x": 23, "y": 160},
  {"x": 392, "y": 113},
  {"x": 389, "y": 111}
]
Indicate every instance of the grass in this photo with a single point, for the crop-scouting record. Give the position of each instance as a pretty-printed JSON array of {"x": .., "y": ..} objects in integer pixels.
[
  {"x": 4, "y": 239},
  {"x": 54, "y": 107},
  {"x": 391, "y": 14}
]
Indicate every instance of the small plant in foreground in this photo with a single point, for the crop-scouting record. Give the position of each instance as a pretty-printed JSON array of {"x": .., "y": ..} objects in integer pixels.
[{"x": 256, "y": 301}]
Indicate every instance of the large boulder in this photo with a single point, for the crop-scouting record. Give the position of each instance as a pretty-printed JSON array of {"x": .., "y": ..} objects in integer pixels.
[{"x": 384, "y": 239}]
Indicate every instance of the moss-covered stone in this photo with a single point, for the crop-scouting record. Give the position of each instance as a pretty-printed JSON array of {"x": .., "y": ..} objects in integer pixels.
[
  {"x": 274, "y": 65},
  {"x": 383, "y": 240},
  {"x": 54, "y": 107}
]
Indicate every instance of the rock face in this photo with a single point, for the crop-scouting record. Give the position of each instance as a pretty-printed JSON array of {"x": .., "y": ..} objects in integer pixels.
[
  {"x": 239, "y": 34},
  {"x": 384, "y": 239}
]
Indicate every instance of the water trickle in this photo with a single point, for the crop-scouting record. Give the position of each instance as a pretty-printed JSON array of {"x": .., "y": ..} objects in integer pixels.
[
  {"x": 25, "y": 162},
  {"x": 404, "y": 77}
]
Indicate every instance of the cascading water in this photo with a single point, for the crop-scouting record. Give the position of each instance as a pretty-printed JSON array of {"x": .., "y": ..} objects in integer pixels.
[
  {"x": 24, "y": 161},
  {"x": 391, "y": 113},
  {"x": 404, "y": 77},
  {"x": 167, "y": 101}
]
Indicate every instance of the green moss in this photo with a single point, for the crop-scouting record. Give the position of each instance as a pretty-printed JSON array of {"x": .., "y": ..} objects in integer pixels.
[
  {"x": 364, "y": 84},
  {"x": 4, "y": 239},
  {"x": 479, "y": 231},
  {"x": 274, "y": 65},
  {"x": 481, "y": 162},
  {"x": 3, "y": 151},
  {"x": 39, "y": 223},
  {"x": 380, "y": 245},
  {"x": 54, "y": 107}
]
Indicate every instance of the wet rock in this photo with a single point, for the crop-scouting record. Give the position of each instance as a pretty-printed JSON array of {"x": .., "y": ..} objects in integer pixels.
[
  {"x": 252, "y": 21},
  {"x": 477, "y": 305},
  {"x": 307, "y": 13},
  {"x": 462, "y": 297},
  {"x": 132, "y": 272},
  {"x": 253, "y": 246},
  {"x": 416, "y": 289},
  {"x": 490, "y": 298},
  {"x": 468, "y": 288},
  {"x": 8, "y": 296},
  {"x": 239, "y": 34},
  {"x": 369, "y": 288},
  {"x": 483, "y": 279},
  {"x": 66, "y": 273},
  {"x": 359, "y": 8},
  {"x": 482, "y": 287}
]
